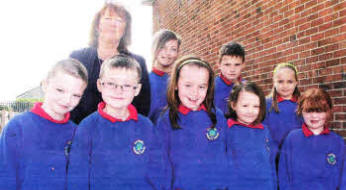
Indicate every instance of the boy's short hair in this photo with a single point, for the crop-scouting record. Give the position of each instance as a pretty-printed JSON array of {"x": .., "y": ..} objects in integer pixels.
[
  {"x": 69, "y": 66},
  {"x": 232, "y": 49},
  {"x": 121, "y": 61}
]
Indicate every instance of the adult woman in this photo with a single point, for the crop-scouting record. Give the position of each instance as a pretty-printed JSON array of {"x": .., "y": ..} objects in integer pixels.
[{"x": 110, "y": 36}]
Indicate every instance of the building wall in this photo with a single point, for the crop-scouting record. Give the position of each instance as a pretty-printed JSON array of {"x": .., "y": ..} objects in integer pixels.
[{"x": 309, "y": 33}]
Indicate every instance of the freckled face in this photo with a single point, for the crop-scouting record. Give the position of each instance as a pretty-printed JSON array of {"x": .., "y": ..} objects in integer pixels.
[
  {"x": 193, "y": 86},
  {"x": 315, "y": 120}
]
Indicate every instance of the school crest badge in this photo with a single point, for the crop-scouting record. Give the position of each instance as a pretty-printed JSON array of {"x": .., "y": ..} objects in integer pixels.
[
  {"x": 267, "y": 145},
  {"x": 138, "y": 147},
  {"x": 331, "y": 159},
  {"x": 212, "y": 134}
]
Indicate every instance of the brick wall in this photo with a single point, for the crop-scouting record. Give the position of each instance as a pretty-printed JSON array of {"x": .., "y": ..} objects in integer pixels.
[{"x": 309, "y": 33}]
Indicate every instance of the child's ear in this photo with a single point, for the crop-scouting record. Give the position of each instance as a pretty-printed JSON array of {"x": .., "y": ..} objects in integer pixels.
[
  {"x": 242, "y": 65},
  {"x": 99, "y": 86},
  {"x": 138, "y": 89},
  {"x": 232, "y": 104},
  {"x": 44, "y": 84}
]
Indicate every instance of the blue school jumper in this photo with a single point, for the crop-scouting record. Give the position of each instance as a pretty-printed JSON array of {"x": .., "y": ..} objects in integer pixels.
[
  {"x": 310, "y": 161},
  {"x": 158, "y": 89},
  {"x": 223, "y": 89},
  {"x": 196, "y": 151},
  {"x": 343, "y": 181},
  {"x": 108, "y": 153},
  {"x": 280, "y": 124},
  {"x": 249, "y": 152},
  {"x": 33, "y": 151}
]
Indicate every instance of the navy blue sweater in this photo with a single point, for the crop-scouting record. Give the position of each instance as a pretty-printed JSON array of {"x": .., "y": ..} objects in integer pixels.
[
  {"x": 310, "y": 161},
  {"x": 251, "y": 161},
  {"x": 111, "y": 154},
  {"x": 223, "y": 89},
  {"x": 33, "y": 152},
  {"x": 91, "y": 96},
  {"x": 196, "y": 152},
  {"x": 280, "y": 124},
  {"x": 158, "y": 89}
]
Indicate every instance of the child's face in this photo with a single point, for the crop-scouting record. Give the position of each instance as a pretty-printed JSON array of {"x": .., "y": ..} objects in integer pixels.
[
  {"x": 192, "y": 86},
  {"x": 168, "y": 54},
  {"x": 231, "y": 67},
  {"x": 247, "y": 107},
  {"x": 62, "y": 93},
  {"x": 315, "y": 120},
  {"x": 285, "y": 82},
  {"x": 118, "y": 87}
]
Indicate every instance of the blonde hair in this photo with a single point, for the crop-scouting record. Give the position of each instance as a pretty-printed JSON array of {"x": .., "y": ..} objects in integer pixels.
[
  {"x": 121, "y": 61},
  {"x": 69, "y": 66},
  {"x": 273, "y": 94}
]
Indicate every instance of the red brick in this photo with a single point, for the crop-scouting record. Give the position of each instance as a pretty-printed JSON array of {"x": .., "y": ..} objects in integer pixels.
[
  {"x": 325, "y": 26},
  {"x": 339, "y": 22},
  {"x": 340, "y": 53},
  {"x": 331, "y": 32},
  {"x": 333, "y": 62},
  {"x": 317, "y": 22}
]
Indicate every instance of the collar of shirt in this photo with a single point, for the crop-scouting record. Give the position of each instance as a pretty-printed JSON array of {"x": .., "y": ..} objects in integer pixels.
[
  {"x": 158, "y": 72},
  {"x": 280, "y": 99},
  {"x": 37, "y": 109},
  {"x": 132, "y": 110},
  {"x": 226, "y": 81},
  {"x": 184, "y": 110},
  {"x": 308, "y": 133},
  {"x": 231, "y": 122}
]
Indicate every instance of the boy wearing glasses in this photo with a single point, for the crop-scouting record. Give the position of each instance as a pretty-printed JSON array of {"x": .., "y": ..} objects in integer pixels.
[{"x": 115, "y": 147}]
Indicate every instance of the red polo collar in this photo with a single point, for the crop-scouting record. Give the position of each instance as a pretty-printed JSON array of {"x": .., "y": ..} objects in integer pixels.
[
  {"x": 308, "y": 133},
  {"x": 228, "y": 82},
  {"x": 132, "y": 110},
  {"x": 184, "y": 110},
  {"x": 280, "y": 99},
  {"x": 37, "y": 109},
  {"x": 231, "y": 122},
  {"x": 158, "y": 72}
]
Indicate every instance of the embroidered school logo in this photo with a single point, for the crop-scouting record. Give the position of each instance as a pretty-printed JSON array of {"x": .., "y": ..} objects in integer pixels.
[
  {"x": 138, "y": 147},
  {"x": 212, "y": 134},
  {"x": 267, "y": 145},
  {"x": 331, "y": 158}
]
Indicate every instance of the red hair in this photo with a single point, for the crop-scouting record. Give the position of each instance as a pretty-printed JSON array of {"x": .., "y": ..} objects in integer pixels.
[{"x": 315, "y": 100}]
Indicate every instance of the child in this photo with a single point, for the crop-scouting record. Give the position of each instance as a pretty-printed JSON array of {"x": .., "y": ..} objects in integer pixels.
[
  {"x": 231, "y": 63},
  {"x": 192, "y": 130},
  {"x": 34, "y": 145},
  {"x": 249, "y": 148},
  {"x": 281, "y": 115},
  {"x": 312, "y": 157},
  {"x": 112, "y": 146},
  {"x": 165, "y": 51}
]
